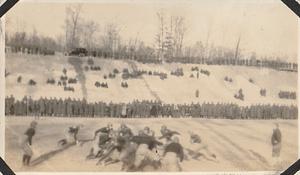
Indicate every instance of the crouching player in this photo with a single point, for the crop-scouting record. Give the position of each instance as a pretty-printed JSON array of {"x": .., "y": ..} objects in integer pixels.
[
  {"x": 199, "y": 149},
  {"x": 70, "y": 136},
  {"x": 101, "y": 139},
  {"x": 173, "y": 155},
  {"x": 146, "y": 153}
]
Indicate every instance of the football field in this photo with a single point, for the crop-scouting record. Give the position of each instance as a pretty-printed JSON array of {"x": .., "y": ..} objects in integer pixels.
[{"x": 239, "y": 145}]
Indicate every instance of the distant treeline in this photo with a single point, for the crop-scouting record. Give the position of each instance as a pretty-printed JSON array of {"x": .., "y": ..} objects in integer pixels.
[
  {"x": 22, "y": 42},
  {"x": 274, "y": 64},
  {"x": 151, "y": 58},
  {"x": 144, "y": 109},
  {"x": 30, "y": 50}
]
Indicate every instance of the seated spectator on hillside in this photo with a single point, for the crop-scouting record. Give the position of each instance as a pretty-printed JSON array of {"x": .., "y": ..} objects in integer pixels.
[
  {"x": 90, "y": 61},
  {"x": 195, "y": 68},
  {"x": 205, "y": 72},
  {"x": 124, "y": 84},
  {"x": 251, "y": 80},
  {"x": 111, "y": 76},
  {"x": 263, "y": 92},
  {"x": 228, "y": 79},
  {"x": 287, "y": 95},
  {"x": 95, "y": 68},
  {"x": 163, "y": 76},
  {"x": 240, "y": 95},
  {"x": 63, "y": 78},
  {"x": 72, "y": 81},
  {"x": 197, "y": 93},
  {"x": 97, "y": 84},
  {"x": 69, "y": 89},
  {"x": 116, "y": 71},
  {"x": 32, "y": 82},
  {"x": 19, "y": 80},
  {"x": 178, "y": 72},
  {"x": 65, "y": 71},
  {"x": 104, "y": 85},
  {"x": 50, "y": 81}
]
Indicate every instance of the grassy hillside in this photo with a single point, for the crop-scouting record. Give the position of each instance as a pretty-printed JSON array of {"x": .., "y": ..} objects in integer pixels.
[{"x": 174, "y": 89}]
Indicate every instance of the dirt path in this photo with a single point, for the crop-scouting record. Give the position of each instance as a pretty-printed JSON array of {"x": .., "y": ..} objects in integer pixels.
[
  {"x": 135, "y": 68},
  {"x": 77, "y": 63}
]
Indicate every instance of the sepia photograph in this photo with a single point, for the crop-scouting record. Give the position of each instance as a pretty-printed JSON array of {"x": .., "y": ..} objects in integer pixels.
[{"x": 151, "y": 86}]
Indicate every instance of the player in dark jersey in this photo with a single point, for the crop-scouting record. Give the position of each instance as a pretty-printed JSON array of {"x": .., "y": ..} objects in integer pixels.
[
  {"x": 276, "y": 141},
  {"x": 125, "y": 132},
  {"x": 105, "y": 130},
  {"x": 101, "y": 137},
  {"x": 27, "y": 142},
  {"x": 167, "y": 134},
  {"x": 173, "y": 154},
  {"x": 146, "y": 153},
  {"x": 120, "y": 140}
]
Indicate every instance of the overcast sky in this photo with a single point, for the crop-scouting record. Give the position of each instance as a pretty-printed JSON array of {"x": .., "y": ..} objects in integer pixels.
[{"x": 266, "y": 27}]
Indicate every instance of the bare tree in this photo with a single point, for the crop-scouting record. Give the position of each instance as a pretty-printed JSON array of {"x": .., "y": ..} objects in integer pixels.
[
  {"x": 72, "y": 25},
  {"x": 179, "y": 33},
  {"x": 60, "y": 42},
  {"x": 198, "y": 50},
  {"x": 18, "y": 40},
  {"x": 169, "y": 38},
  {"x": 209, "y": 29},
  {"x": 111, "y": 38},
  {"x": 236, "y": 55},
  {"x": 89, "y": 28},
  {"x": 34, "y": 41},
  {"x": 160, "y": 36},
  {"x": 133, "y": 46}
]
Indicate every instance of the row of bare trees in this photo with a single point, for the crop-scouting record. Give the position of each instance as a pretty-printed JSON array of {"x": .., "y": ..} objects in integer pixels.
[
  {"x": 78, "y": 31},
  {"x": 31, "y": 43},
  {"x": 170, "y": 35},
  {"x": 108, "y": 42}
]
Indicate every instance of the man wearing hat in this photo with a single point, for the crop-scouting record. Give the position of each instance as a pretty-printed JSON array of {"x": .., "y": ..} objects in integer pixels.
[{"x": 276, "y": 141}]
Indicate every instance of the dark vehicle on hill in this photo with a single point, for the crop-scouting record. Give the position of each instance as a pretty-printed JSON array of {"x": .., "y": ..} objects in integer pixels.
[
  {"x": 79, "y": 52},
  {"x": 47, "y": 52}
]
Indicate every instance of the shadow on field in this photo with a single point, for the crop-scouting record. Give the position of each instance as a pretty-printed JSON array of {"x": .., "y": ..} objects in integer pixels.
[
  {"x": 83, "y": 141},
  {"x": 260, "y": 157},
  {"x": 50, "y": 154}
]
